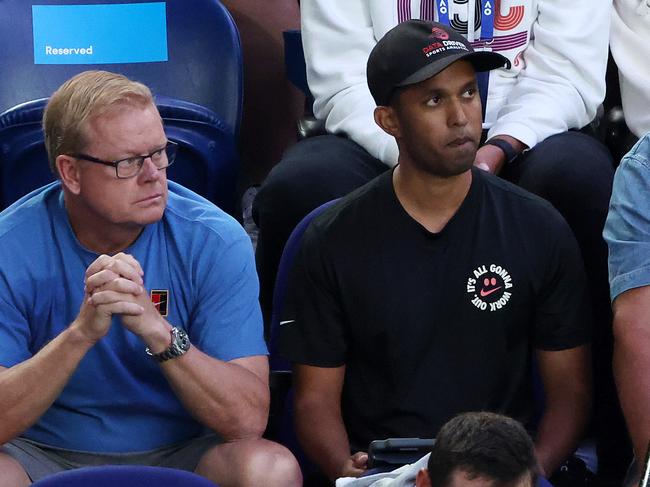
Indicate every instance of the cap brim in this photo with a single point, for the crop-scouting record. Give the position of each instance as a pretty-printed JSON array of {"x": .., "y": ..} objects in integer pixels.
[{"x": 481, "y": 60}]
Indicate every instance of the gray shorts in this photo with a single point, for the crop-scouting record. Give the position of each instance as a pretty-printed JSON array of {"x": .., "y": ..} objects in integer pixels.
[{"x": 40, "y": 460}]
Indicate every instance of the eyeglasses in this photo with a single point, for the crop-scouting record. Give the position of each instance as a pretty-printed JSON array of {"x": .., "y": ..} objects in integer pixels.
[{"x": 131, "y": 166}]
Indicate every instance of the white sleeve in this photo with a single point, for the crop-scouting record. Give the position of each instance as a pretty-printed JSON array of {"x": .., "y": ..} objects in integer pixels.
[
  {"x": 630, "y": 45},
  {"x": 563, "y": 81},
  {"x": 337, "y": 37}
]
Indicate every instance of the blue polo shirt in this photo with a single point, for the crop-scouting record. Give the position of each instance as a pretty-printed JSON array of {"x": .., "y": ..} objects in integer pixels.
[{"x": 197, "y": 260}]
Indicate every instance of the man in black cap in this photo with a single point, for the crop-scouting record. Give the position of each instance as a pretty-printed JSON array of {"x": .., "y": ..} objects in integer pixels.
[{"x": 423, "y": 293}]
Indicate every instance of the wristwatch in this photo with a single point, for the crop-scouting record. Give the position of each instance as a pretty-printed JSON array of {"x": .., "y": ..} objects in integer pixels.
[
  {"x": 507, "y": 148},
  {"x": 179, "y": 345}
]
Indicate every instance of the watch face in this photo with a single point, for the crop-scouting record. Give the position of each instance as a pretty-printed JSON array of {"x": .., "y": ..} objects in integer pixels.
[
  {"x": 179, "y": 345},
  {"x": 182, "y": 341}
]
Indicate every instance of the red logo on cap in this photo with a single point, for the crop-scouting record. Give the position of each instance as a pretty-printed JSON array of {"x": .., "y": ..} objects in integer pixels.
[{"x": 439, "y": 33}]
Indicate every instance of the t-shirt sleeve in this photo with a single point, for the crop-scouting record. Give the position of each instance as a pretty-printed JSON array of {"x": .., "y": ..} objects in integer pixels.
[
  {"x": 563, "y": 317},
  {"x": 312, "y": 328},
  {"x": 15, "y": 333},
  {"x": 226, "y": 322},
  {"x": 627, "y": 229}
]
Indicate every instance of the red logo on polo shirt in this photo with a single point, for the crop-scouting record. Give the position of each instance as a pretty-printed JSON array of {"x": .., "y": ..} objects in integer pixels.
[
  {"x": 489, "y": 287},
  {"x": 160, "y": 299}
]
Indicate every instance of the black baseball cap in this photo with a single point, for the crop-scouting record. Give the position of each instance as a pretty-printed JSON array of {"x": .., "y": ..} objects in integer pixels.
[{"x": 416, "y": 50}]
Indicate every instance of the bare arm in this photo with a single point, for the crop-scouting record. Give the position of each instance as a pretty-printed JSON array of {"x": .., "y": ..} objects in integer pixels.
[
  {"x": 632, "y": 363},
  {"x": 566, "y": 375},
  {"x": 231, "y": 398},
  {"x": 491, "y": 158},
  {"x": 30, "y": 388},
  {"x": 319, "y": 423}
]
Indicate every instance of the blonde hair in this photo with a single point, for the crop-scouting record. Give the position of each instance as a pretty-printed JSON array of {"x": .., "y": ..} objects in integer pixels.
[{"x": 84, "y": 97}]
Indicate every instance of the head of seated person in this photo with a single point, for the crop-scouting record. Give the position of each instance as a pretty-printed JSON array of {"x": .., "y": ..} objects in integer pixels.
[
  {"x": 481, "y": 450},
  {"x": 422, "y": 76}
]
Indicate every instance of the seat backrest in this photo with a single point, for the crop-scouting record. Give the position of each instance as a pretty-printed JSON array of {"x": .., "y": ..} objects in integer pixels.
[
  {"x": 124, "y": 476},
  {"x": 282, "y": 283},
  {"x": 195, "y": 54},
  {"x": 206, "y": 163},
  {"x": 280, "y": 426}
]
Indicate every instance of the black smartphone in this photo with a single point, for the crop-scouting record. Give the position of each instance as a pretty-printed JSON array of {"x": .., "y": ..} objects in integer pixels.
[{"x": 395, "y": 452}]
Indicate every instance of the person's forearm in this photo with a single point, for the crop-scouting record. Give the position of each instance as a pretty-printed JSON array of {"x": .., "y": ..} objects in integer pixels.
[
  {"x": 223, "y": 396},
  {"x": 324, "y": 440},
  {"x": 30, "y": 388},
  {"x": 631, "y": 370},
  {"x": 561, "y": 429}
]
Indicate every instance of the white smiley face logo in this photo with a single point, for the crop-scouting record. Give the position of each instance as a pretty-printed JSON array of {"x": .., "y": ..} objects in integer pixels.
[{"x": 489, "y": 287}]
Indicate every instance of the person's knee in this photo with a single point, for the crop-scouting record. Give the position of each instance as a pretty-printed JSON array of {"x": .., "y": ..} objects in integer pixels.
[
  {"x": 251, "y": 463},
  {"x": 569, "y": 166},
  {"x": 273, "y": 465},
  {"x": 312, "y": 172},
  {"x": 297, "y": 178},
  {"x": 12, "y": 473}
]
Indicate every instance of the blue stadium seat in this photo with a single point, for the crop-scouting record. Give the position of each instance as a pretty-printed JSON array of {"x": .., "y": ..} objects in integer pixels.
[
  {"x": 280, "y": 426},
  {"x": 124, "y": 476},
  {"x": 206, "y": 160},
  {"x": 282, "y": 284},
  {"x": 198, "y": 91}
]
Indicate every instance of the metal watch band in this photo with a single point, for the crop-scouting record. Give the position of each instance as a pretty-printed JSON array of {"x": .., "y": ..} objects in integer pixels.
[
  {"x": 507, "y": 148},
  {"x": 180, "y": 343}
]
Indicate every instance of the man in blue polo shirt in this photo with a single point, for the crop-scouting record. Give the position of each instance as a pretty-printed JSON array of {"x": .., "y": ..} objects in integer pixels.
[{"x": 129, "y": 326}]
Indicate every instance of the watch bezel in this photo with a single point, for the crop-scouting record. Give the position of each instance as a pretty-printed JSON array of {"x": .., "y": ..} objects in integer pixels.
[{"x": 180, "y": 343}]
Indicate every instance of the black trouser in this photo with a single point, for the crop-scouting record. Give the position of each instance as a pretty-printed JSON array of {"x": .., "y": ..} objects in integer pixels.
[{"x": 572, "y": 170}]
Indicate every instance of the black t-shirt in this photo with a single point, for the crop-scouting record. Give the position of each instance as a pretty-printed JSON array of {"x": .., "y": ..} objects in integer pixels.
[{"x": 431, "y": 325}]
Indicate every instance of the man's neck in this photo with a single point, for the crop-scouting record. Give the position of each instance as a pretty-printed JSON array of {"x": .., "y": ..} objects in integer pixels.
[
  {"x": 94, "y": 234},
  {"x": 430, "y": 200}
]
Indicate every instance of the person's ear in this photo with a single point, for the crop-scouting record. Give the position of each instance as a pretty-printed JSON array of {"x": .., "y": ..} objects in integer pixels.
[
  {"x": 422, "y": 479},
  {"x": 386, "y": 118},
  {"x": 69, "y": 169}
]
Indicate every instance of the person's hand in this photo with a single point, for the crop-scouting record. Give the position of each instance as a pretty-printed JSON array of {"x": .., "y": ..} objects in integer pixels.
[
  {"x": 115, "y": 296},
  {"x": 121, "y": 277},
  {"x": 355, "y": 465},
  {"x": 490, "y": 159}
]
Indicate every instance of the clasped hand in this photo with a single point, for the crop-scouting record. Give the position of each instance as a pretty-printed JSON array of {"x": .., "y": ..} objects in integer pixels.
[{"x": 114, "y": 286}]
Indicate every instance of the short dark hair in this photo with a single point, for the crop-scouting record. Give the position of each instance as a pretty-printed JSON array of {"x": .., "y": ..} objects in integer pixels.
[{"x": 484, "y": 445}]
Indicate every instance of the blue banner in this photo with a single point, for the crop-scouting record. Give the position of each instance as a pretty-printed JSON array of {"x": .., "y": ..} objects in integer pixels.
[
  {"x": 100, "y": 34},
  {"x": 443, "y": 11}
]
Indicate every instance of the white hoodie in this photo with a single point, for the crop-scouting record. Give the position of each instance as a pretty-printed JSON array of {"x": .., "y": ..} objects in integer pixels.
[
  {"x": 631, "y": 51},
  {"x": 557, "y": 48}
]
